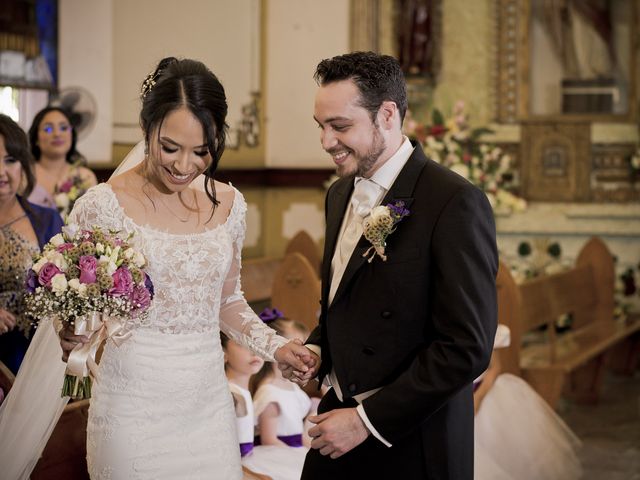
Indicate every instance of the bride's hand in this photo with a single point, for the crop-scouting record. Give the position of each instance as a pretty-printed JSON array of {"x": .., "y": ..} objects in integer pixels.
[
  {"x": 69, "y": 340},
  {"x": 297, "y": 363}
]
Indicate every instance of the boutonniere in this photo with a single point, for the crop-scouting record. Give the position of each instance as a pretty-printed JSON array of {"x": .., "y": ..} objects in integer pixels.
[{"x": 379, "y": 225}]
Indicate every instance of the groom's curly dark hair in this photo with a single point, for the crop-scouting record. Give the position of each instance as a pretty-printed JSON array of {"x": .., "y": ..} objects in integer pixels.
[{"x": 378, "y": 77}]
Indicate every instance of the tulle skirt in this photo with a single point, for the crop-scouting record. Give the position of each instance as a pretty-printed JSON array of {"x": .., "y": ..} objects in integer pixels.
[{"x": 518, "y": 436}]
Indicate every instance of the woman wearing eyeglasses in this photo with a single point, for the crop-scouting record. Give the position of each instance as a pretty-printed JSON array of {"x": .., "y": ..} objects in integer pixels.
[{"x": 60, "y": 175}]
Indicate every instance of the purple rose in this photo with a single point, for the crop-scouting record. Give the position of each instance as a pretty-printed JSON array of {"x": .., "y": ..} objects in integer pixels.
[
  {"x": 140, "y": 298},
  {"x": 88, "y": 265},
  {"x": 47, "y": 272},
  {"x": 149, "y": 285},
  {"x": 32, "y": 281},
  {"x": 66, "y": 186},
  {"x": 122, "y": 282},
  {"x": 64, "y": 247}
]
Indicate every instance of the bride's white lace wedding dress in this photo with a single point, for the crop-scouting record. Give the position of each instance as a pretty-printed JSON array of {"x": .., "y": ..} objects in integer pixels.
[{"x": 161, "y": 407}]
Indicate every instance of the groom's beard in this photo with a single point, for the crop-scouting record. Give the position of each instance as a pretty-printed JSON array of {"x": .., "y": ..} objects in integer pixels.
[{"x": 363, "y": 162}]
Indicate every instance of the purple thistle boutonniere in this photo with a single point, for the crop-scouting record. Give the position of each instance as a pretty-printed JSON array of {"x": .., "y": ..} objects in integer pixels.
[{"x": 379, "y": 225}]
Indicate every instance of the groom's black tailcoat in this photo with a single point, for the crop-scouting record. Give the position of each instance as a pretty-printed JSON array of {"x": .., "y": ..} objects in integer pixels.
[{"x": 420, "y": 325}]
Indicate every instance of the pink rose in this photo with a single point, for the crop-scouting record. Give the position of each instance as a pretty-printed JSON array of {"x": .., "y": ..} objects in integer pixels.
[
  {"x": 64, "y": 247},
  {"x": 88, "y": 265},
  {"x": 122, "y": 282},
  {"x": 47, "y": 272},
  {"x": 140, "y": 298},
  {"x": 66, "y": 186}
]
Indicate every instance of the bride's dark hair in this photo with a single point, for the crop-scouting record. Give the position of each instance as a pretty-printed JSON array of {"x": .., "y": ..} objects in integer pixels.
[{"x": 187, "y": 83}]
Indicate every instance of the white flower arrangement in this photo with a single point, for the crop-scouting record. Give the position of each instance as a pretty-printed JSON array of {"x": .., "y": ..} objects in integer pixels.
[{"x": 454, "y": 144}]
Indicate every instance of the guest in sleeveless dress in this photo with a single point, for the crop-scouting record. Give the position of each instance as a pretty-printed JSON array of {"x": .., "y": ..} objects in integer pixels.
[
  {"x": 61, "y": 174},
  {"x": 24, "y": 229},
  {"x": 517, "y": 434}
]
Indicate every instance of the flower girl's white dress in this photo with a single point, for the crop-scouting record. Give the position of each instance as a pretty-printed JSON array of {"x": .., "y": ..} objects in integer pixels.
[
  {"x": 278, "y": 462},
  {"x": 518, "y": 435},
  {"x": 161, "y": 408}
]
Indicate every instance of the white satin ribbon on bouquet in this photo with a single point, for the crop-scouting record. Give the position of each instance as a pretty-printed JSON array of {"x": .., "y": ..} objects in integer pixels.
[{"x": 98, "y": 327}]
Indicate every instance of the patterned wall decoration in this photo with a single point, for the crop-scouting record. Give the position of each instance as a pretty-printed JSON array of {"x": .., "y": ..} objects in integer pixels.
[
  {"x": 555, "y": 161},
  {"x": 303, "y": 216},
  {"x": 507, "y": 27},
  {"x": 611, "y": 177}
]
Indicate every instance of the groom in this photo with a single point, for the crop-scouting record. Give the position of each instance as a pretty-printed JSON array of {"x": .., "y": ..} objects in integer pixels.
[{"x": 401, "y": 338}]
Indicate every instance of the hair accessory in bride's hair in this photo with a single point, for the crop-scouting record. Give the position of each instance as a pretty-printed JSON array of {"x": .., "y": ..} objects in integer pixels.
[
  {"x": 270, "y": 314},
  {"x": 149, "y": 83}
]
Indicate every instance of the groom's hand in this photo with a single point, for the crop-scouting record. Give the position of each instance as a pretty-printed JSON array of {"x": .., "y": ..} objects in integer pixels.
[
  {"x": 337, "y": 431},
  {"x": 297, "y": 363}
]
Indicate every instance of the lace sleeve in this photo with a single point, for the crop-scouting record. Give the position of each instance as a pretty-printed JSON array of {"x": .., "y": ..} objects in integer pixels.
[
  {"x": 237, "y": 319},
  {"x": 87, "y": 211}
]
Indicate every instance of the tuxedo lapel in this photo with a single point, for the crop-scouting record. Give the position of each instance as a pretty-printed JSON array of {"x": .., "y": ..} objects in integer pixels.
[
  {"x": 402, "y": 189},
  {"x": 336, "y": 210}
]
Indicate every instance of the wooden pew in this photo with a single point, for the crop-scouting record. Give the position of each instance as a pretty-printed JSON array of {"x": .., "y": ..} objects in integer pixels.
[
  {"x": 303, "y": 244},
  {"x": 573, "y": 362},
  {"x": 296, "y": 290},
  {"x": 257, "y": 278},
  {"x": 65, "y": 453},
  {"x": 6, "y": 379}
]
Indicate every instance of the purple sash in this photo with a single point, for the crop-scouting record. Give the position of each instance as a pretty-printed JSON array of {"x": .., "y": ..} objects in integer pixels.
[
  {"x": 290, "y": 440},
  {"x": 246, "y": 448}
]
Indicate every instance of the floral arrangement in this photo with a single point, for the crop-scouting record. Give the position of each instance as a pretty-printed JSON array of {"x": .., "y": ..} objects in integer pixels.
[
  {"x": 452, "y": 143},
  {"x": 93, "y": 281},
  {"x": 379, "y": 225},
  {"x": 66, "y": 194}
]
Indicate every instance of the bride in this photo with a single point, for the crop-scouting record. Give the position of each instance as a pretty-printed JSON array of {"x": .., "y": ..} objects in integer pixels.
[{"x": 161, "y": 407}]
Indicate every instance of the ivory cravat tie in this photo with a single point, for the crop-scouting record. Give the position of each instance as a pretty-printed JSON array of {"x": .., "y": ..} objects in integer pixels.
[{"x": 365, "y": 195}]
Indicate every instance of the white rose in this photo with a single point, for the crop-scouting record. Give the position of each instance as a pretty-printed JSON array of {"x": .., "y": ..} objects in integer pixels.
[
  {"x": 70, "y": 230},
  {"x": 57, "y": 240},
  {"x": 109, "y": 266},
  {"x": 57, "y": 259},
  {"x": 379, "y": 212},
  {"x": 81, "y": 288},
  {"x": 461, "y": 169},
  {"x": 39, "y": 264},
  {"x": 99, "y": 248},
  {"x": 62, "y": 200},
  {"x": 138, "y": 260},
  {"x": 114, "y": 254},
  {"x": 59, "y": 283},
  {"x": 128, "y": 253}
]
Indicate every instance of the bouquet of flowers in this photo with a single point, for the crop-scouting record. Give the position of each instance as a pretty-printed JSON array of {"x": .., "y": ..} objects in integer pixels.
[
  {"x": 452, "y": 143},
  {"x": 94, "y": 281},
  {"x": 66, "y": 194}
]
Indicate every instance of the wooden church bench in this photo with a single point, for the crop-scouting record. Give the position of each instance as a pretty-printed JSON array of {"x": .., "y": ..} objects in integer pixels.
[
  {"x": 257, "y": 278},
  {"x": 296, "y": 290},
  {"x": 305, "y": 245},
  {"x": 572, "y": 362},
  {"x": 6, "y": 378}
]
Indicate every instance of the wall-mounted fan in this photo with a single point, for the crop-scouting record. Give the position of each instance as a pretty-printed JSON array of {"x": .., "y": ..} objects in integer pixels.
[{"x": 82, "y": 106}]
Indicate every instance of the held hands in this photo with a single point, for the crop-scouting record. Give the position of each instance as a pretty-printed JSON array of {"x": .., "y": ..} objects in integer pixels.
[
  {"x": 69, "y": 340},
  {"x": 337, "y": 432},
  {"x": 297, "y": 363},
  {"x": 7, "y": 321}
]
